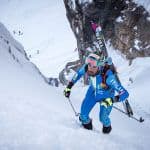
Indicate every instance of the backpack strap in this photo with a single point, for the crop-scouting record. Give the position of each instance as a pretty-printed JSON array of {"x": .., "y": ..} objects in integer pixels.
[{"x": 86, "y": 68}]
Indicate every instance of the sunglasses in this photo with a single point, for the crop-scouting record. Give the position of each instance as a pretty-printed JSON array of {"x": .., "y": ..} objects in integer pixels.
[
  {"x": 93, "y": 62},
  {"x": 92, "y": 66}
]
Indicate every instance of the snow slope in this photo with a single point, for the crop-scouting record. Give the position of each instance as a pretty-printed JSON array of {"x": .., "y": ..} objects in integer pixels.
[
  {"x": 35, "y": 116},
  {"x": 44, "y": 30},
  {"x": 28, "y": 106}
]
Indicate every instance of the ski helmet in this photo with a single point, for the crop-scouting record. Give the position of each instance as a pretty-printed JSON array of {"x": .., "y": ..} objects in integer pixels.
[{"x": 94, "y": 60}]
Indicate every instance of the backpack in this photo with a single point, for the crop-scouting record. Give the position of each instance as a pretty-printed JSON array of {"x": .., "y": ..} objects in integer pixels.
[{"x": 104, "y": 74}]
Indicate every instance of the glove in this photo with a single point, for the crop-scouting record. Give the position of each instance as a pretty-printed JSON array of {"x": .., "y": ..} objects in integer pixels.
[
  {"x": 67, "y": 92},
  {"x": 116, "y": 99}
]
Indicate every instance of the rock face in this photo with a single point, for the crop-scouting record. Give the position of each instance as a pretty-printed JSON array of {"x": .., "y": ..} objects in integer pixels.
[
  {"x": 125, "y": 24},
  {"x": 132, "y": 33}
]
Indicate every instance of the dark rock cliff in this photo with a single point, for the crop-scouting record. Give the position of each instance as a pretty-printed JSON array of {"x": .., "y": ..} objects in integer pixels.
[{"x": 124, "y": 23}]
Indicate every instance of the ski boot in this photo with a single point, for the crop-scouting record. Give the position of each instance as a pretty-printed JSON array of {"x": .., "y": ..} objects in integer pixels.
[
  {"x": 106, "y": 130},
  {"x": 87, "y": 125}
]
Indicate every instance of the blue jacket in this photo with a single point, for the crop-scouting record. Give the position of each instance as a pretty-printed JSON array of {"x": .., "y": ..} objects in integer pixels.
[{"x": 96, "y": 82}]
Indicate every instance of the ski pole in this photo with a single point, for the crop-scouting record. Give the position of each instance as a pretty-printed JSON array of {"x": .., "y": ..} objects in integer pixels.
[
  {"x": 128, "y": 108},
  {"x": 76, "y": 114},
  {"x": 139, "y": 120}
]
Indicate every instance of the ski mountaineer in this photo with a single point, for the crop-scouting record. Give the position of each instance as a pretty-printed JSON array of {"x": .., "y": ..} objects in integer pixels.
[{"x": 102, "y": 87}]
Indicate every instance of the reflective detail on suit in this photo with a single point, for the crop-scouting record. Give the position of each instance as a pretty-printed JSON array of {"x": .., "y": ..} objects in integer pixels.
[{"x": 93, "y": 81}]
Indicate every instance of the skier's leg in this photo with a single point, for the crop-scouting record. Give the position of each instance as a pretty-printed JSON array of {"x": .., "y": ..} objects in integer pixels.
[
  {"x": 105, "y": 110},
  {"x": 86, "y": 107}
]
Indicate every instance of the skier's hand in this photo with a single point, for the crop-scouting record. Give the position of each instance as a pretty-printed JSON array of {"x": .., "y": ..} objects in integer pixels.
[
  {"x": 120, "y": 98},
  {"x": 67, "y": 92},
  {"x": 116, "y": 99}
]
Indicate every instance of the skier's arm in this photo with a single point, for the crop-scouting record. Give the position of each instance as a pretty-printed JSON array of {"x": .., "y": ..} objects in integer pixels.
[
  {"x": 78, "y": 74},
  {"x": 123, "y": 93},
  {"x": 75, "y": 78}
]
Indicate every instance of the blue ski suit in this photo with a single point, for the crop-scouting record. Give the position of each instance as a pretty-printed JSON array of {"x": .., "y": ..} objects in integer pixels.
[{"x": 96, "y": 93}]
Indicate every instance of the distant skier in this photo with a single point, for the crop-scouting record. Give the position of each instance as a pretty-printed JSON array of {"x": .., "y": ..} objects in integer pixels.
[{"x": 102, "y": 87}]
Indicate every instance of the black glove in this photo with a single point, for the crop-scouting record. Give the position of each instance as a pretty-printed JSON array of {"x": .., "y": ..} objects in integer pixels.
[
  {"x": 116, "y": 99},
  {"x": 67, "y": 90}
]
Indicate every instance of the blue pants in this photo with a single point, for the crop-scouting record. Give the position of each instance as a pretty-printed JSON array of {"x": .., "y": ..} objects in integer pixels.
[{"x": 87, "y": 105}]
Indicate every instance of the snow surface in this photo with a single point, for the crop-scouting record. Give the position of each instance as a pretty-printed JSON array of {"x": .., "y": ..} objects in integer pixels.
[
  {"x": 35, "y": 116},
  {"x": 136, "y": 44},
  {"x": 45, "y": 29},
  {"x": 119, "y": 19}
]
